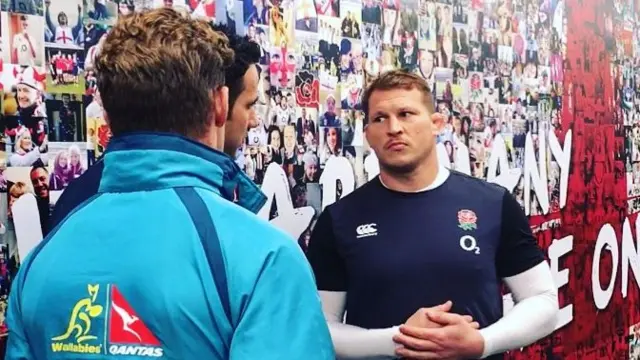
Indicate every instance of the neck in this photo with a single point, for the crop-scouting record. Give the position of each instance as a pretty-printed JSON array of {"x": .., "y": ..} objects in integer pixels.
[
  {"x": 420, "y": 178},
  {"x": 214, "y": 139}
]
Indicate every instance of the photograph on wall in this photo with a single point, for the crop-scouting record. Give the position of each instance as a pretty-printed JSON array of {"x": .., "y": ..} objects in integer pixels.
[
  {"x": 64, "y": 70},
  {"x": 103, "y": 12},
  {"x": 66, "y": 122},
  {"x": 63, "y": 21},
  {"x": 22, "y": 39},
  {"x": 634, "y": 342}
]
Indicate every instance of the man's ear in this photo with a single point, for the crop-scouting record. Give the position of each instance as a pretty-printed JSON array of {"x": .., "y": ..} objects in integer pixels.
[
  {"x": 437, "y": 121},
  {"x": 220, "y": 102},
  {"x": 366, "y": 133}
]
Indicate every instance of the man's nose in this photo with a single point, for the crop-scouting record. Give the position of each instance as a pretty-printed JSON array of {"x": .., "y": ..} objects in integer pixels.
[{"x": 393, "y": 126}]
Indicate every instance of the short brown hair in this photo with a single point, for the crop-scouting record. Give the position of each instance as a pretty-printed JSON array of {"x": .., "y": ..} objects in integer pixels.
[
  {"x": 155, "y": 72},
  {"x": 397, "y": 79}
]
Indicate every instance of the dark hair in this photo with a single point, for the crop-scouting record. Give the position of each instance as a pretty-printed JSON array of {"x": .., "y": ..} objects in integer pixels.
[
  {"x": 156, "y": 71},
  {"x": 38, "y": 164},
  {"x": 247, "y": 53},
  {"x": 397, "y": 79}
]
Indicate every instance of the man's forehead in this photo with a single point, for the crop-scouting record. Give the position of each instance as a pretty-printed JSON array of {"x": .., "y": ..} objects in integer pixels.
[
  {"x": 386, "y": 98},
  {"x": 38, "y": 172},
  {"x": 251, "y": 78}
]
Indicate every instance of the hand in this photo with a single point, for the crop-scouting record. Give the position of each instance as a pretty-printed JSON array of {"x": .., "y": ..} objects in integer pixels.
[
  {"x": 457, "y": 339},
  {"x": 421, "y": 319}
]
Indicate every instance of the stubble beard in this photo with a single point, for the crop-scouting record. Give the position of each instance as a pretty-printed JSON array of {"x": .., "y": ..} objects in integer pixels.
[
  {"x": 406, "y": 168},
  {"x": 399, "y": 169}
]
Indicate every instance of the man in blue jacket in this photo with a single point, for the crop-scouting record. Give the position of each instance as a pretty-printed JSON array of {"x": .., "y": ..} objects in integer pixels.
[{"x": 159, "y": 263}]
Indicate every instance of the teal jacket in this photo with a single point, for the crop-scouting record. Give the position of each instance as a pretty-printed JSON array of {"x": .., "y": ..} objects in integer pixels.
[{"x": 160, "y": 263}]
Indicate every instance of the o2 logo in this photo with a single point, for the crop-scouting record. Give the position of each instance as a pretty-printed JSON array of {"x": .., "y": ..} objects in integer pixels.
[{"x": 469, "y": 243}]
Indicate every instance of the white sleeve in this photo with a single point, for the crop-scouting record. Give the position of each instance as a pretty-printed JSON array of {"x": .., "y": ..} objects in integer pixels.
[
  {"x": 353, "y": 342},
  {"x": 533, "y": 317}
]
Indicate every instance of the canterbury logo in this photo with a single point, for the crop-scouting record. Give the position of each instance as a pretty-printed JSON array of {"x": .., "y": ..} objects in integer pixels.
[{"x": 366, "y": 230}]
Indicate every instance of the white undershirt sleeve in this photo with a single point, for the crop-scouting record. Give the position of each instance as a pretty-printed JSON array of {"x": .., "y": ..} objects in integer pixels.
[
  {"x": 533, "y": 317},
  {"x": 353, "y": 342}
]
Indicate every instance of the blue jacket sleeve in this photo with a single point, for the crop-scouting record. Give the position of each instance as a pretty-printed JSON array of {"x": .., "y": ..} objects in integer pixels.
[
  {"x": 17, "y": 345},
  {"x": 282, "y": 318}
]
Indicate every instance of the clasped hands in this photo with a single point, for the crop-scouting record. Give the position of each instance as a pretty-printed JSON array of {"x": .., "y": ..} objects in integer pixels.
[{"x": 435, "y": 333}]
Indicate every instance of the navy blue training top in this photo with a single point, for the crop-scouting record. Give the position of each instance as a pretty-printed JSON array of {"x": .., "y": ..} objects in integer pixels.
[{"x": 394, "y": 252}]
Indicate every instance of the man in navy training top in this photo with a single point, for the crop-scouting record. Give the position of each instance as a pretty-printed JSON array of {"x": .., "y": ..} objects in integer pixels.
[
  {"x": 160, "y": 262},
  {"x": 412, "y": 252},
  {"x": 241, "y": 78}
]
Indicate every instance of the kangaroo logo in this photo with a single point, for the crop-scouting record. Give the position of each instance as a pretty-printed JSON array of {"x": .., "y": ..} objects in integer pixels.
[{"x": 81, "y": 315}]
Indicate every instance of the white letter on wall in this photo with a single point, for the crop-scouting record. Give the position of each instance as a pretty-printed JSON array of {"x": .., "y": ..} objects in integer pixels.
[
  {"x": 606, "y": 239},
  {"x": 508, "y": 178},
  {"x": 461, "y": 158},
  {"x": 557, "y": 249},
  {"x": 535, "y": 174},
  {"x": 336, "y": 168},
  {"x": 629, "y": 254},
  {"x": 275, "y": 185},
  {"x": 563, "y": 158},
  {"x": 371, "y": 166}
]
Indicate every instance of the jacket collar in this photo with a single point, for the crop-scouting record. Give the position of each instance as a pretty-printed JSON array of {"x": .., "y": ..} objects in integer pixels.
[{"x": 153, "y": 161}]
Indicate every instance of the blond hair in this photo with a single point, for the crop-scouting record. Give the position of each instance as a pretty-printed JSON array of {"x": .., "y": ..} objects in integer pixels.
[
  {"x": 156, "y": 71},
  {"x": 18, "y": 189}
]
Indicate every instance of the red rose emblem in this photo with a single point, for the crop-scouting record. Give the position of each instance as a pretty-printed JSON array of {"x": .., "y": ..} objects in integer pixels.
[{"x": 467, "y": 219}]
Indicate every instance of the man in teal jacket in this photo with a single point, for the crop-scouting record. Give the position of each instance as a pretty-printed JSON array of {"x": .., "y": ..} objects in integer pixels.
[{"x": 160, "y": 263}]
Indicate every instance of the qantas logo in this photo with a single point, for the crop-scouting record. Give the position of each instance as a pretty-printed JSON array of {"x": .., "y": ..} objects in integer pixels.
[
  {"x": 128, "y": 335},
  {"x": 104, "y": 323}
]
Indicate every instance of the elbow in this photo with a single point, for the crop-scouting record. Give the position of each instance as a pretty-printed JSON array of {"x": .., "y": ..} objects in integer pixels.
[{"x": 551, "y": 312}]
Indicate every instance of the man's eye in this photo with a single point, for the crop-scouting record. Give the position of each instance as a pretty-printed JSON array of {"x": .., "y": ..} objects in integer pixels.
[
  {"x": 405, "y": 113},
  {"x": 378, "y": 119}
]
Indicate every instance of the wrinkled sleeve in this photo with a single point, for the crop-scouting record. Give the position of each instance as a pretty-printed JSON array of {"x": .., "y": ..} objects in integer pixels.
[
  {"x": 17, "y": 345},
  {"x": 282, "y": 318}
]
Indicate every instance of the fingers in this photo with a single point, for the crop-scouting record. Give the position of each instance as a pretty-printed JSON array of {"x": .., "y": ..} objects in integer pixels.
[
  {"x": 417, "y": 344},
  {"x": 416, "y": 355},
  {"x": 431, "y": 334},
  {"x": 469, "y": 319},
  {"x": 445, "y": 318},
  {"x": 444, "y": 307}
]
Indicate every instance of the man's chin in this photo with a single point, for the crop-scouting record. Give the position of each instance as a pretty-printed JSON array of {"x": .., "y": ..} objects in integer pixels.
[
  {"x": 231, "y": 149},
  {"x": 399, "y": 164}
]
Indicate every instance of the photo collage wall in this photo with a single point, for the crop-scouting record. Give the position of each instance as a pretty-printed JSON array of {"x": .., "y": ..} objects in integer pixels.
[{"x": 493, "y": 66}]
